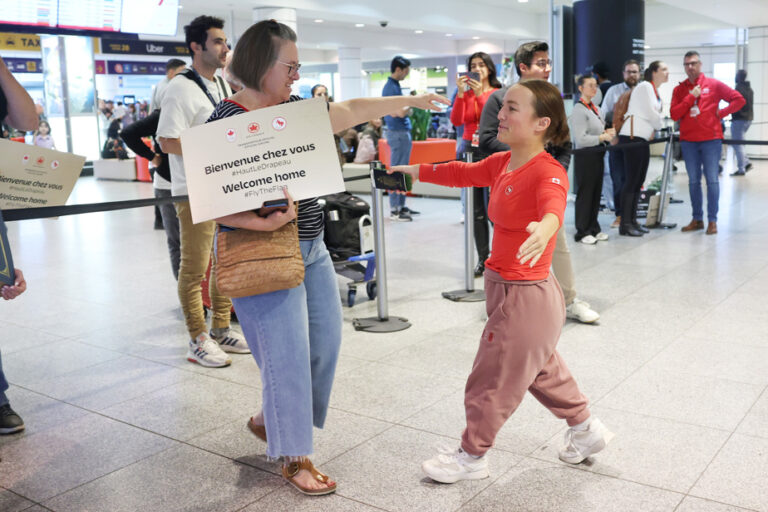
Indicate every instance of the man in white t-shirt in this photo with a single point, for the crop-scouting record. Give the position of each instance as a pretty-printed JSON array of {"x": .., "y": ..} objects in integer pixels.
[
  {"x": 188, "y": 101},
  {"x": 172, "y": 68},
  {"x": 162, "y": 186}
]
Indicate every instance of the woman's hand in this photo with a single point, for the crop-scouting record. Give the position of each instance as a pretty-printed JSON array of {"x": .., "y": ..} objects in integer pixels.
[
  {"x": 19, "y": 286},
  {"x": 250, "y": 220},
  {"x": 607, "y": 135},
  {"x": 477, "y": 87},
  {"x": 541, "y": 233},
  {"x": 461, "y": 84},
  {"x": 278, "y": 218},
  {"x": 429, "y": 102},
  {"x": 410, "y": 170}
]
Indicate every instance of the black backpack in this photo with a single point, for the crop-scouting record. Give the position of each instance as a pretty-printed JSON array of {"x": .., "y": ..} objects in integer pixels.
[{"x": 342, "y": 224}]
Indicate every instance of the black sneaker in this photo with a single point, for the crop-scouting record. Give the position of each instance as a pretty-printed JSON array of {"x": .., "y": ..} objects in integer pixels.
[
  {"x": 748, "y": 167},
  {"x": 10, "y": 422},
  {"x": 409, "y": 211},
  {"x": 404, "y": 216}
]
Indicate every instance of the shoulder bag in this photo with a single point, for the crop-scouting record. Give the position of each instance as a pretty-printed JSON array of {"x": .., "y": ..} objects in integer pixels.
[{"x": 254, "y": 262}]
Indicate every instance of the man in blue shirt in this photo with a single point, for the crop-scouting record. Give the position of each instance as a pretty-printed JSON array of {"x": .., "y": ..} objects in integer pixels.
[{"x": 398, "y": 134}]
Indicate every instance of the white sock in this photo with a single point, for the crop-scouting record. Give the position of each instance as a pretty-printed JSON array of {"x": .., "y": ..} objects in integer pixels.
[
  {"x": 473, "y": 456},
  {"x": 583, "y": 426}
]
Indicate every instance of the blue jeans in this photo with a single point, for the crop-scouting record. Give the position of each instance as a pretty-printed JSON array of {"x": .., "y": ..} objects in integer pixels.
[
  {"x": 400, "y": 145},
  {"x": 703, "y": 158},
  {"x": 738, "y": 129},
  {"x": 607, "y": 182},
  {"x": 295, "y": 336},
  {"x": 3, "y": 384}
]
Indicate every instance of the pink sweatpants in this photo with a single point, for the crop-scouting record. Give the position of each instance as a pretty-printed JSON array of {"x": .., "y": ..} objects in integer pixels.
[{"x": 517, "y": 353}]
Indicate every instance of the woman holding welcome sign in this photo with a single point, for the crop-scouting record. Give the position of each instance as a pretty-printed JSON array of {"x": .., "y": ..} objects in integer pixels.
[{"x": 294, "y": 334}]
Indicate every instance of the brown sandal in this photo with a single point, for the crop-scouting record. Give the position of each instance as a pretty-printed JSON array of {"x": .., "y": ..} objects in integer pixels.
[
  {"x": 258, "y": 430},
  {"x": 292, "y": 469}
]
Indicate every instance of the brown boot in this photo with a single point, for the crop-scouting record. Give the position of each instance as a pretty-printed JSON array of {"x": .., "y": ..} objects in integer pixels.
[
  {"x": 695, "y": 225},
  {"x": 712, "y": 228}
]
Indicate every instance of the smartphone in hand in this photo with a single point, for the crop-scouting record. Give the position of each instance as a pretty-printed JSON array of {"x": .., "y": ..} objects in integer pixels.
[
  {"x": 270, "y": 207},
  {"x": 394, "y": 181},
  {"x": 474, "y": 75}
]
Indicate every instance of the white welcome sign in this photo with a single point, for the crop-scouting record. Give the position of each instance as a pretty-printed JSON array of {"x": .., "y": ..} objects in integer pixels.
[{"x": 235, "y": 164}]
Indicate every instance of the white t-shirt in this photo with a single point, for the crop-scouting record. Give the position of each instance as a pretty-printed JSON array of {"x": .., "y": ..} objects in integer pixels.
[
  {"x": 161, "y": 183},
  {"x": 185, "y": 105},
  {"x": 157, "y": 94}
]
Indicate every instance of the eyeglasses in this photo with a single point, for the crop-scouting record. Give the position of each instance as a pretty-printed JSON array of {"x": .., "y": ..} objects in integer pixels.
[
  {"x": 692, "y": 63},
  {"x": 292, "y": 68},
  {"x": 543, "y": 63}
]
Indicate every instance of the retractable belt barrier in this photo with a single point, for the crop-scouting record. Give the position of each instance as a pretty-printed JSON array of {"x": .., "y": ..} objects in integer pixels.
[
  {"x": 468, "y": 294},
  {"x": 382, "y": 322},
  {"x": 77, "y": 209}
]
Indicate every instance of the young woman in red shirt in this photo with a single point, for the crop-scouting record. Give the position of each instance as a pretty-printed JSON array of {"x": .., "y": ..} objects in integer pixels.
[
  {"x": 525, "y": 305},
  {"x": 467, "y": 108}
]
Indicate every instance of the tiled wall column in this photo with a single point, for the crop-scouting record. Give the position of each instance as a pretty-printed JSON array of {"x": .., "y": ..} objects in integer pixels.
[
  {"x": 350, "y": 74},
  {"x": 757, "y": 74}
]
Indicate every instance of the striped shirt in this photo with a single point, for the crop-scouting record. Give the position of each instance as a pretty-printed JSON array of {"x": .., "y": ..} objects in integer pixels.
[{"x": 310, "y": 212}]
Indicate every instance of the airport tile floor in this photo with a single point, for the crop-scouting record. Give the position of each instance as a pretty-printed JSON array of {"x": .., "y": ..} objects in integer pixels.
[{"x": 118, "y": 420}]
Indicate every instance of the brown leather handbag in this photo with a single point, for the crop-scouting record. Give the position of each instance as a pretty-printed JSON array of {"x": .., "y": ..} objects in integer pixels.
[{"x": 254, "y": 262}]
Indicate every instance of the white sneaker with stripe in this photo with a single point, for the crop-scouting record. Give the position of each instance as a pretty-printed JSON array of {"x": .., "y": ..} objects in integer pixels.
[
  {"x": 232, "y": 341},
  {"x": 206, "y": 352}
]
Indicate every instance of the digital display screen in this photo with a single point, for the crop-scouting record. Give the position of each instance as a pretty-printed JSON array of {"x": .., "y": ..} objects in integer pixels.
[
  {"x": 154, "y": 17},
  {"x": 90, "y": 14},
  {"x": 29, "y": 12}
]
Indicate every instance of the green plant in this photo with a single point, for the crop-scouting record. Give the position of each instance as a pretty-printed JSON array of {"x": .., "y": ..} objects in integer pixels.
[{"x": 420, "y": 120}]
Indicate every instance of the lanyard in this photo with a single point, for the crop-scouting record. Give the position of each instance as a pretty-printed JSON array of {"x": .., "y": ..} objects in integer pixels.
[
  {"x": 202, "y": 85},
  {"x": 591, "y": 106},
  {"x": 655, "y": 91}
]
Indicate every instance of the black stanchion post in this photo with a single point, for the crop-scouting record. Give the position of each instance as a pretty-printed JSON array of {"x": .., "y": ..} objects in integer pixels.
[
  {"x": 665, "y": 173},
  {"x": 468, "y": 294},
  {"x": 383, "y": 322}
]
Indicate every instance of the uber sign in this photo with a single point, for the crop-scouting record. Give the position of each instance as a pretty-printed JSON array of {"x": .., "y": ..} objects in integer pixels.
[{"x": 141, "y": 47}]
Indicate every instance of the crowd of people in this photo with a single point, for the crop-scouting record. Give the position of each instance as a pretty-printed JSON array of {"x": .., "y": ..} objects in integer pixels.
[{"x": 522, "y": 146}]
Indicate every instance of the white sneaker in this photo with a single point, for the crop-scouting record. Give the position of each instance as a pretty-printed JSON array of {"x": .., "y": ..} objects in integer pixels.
[
  {"x": 601, "y": 237},
  {"x": 451, "y": 466},
  {"x": 579, "y": 310},
  {"x": 589, "y": 240},
  {"x": 206, "y": 352},
  {"x": 581, "y": 444},
  {"x": 232, "y": 341}
]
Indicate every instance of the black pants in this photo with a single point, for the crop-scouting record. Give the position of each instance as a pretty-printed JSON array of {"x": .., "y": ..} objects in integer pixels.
[
  {"x": 616, "y": 166},
  {"x": 482, "y": 231},
  {"x": 588, "y": 173},
  {"x": 636, "y": 161}
]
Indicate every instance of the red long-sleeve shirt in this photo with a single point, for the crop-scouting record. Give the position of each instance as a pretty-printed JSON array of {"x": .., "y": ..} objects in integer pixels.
[
  {"x": 518, "y": 198},
  {"x": 467, "y": 109},
  {"x": 706, "y": 125}
]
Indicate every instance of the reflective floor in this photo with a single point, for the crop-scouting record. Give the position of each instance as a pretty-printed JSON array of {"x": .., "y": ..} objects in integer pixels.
[{"x": 118, "y": 420}]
